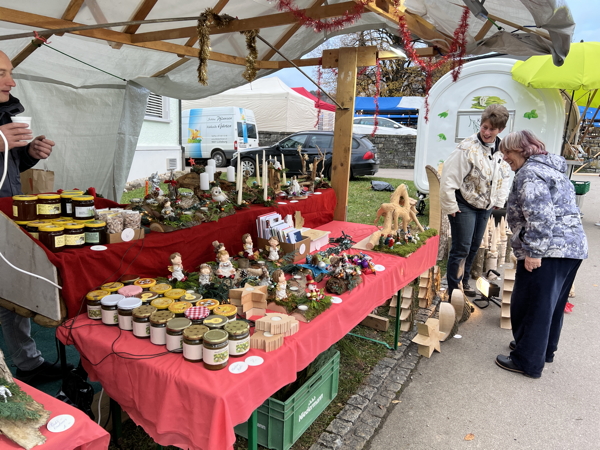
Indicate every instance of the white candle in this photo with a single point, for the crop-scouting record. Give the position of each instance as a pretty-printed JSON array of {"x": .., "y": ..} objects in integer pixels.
[
  {"x": 204, "y": 181},
  {"x": 257, "y": 171},
  {"x": 231, "y": 174},
  {"x": 283, "y": 167},
  {"x": 265, "y": 176},
  {"x": 210, "y": 170},
  {"x": 211, "y": 163},
  {"x": 240, "y": 179}
]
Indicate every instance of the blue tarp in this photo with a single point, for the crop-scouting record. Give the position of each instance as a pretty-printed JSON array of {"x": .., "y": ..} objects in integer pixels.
[
  {"x": 387, "y": 105},
  {"x": 590, "y": 113}
]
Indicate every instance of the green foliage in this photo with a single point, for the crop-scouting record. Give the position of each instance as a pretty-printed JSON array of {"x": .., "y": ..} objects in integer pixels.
[
  {"x": 483, "y": 101},
  {"x": 531, "y": 114},
  {"x": 406, "y": 249},
  {"x": 16, "y": 407},
  {"x": 443, "y": 115}
]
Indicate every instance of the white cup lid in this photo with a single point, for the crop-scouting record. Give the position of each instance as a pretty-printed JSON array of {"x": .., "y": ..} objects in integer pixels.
[{"x": 129, "y": 303}]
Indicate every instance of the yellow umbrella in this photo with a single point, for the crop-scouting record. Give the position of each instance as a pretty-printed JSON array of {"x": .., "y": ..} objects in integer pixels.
[{"x": 580, "y": 72}]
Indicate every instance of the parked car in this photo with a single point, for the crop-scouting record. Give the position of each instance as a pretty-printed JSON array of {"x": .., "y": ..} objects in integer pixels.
[
  {"x": 364, "y": 159},
  {"x": 384, "y": 126}
]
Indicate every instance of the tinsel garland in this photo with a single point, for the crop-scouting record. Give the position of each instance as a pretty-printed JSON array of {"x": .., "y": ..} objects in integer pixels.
[
  {"x": 456, "y": 53},
  {"x": 207, "y": 18},
  {"x": 376, "y": 97},
  {"x": 250, "y": 72},
  {"x": 317, "y": 25},
  {"x": 319, "y": 79}
]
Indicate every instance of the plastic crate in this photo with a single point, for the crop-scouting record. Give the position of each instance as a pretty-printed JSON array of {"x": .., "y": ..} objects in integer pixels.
[
  {"x": 581, "y": 187},
  {"x": 280, "y": 424}
]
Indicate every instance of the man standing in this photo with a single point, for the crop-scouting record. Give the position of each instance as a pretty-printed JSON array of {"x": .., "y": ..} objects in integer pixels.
[{"x": 21, "y": 156}]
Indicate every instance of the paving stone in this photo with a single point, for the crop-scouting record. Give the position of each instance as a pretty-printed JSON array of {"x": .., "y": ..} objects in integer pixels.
[
  {"x": 380, "y": 371},
  {"x": 370, "y": 420},
  {"x": 388, "y": 394},
  {"x": 374, "y": 380},
  {"x": 330, "y": 441},
  {"x": 376, "y": 409},
  {"x": 339, "y": 427},
  {"x": 358, "y": 401},
  {"x": 391, "y": 385},
  {"x": 399, "y": 376},
  {"x": 354, "y": 443},
  {"x": 349, "y": 413},
  {"x": 367, "y": 391},
  {"x": 364, "y": 431},
  {"x": 388, "y": 362},
  {"x": 382, "y": 400}
]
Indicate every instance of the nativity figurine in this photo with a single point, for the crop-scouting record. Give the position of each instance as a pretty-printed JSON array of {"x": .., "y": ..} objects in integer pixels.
[
  {"x": 281, "y": 286},
  {"x": 248, "y": 247},
  {"x": 273, "y": 249}
]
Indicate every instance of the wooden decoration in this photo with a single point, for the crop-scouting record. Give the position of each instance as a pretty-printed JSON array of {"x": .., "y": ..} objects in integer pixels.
[
  {"x": 461, "y": 306},
  {"x": 250, "y": 298},
  {"x": 294, "y": 328},
  {"x": 437, "y": 220},
  {"x": 448, "y": 321},
  {"x": 275, "y": 323},
  {"x": 263, "y": 340},
  {"x": 428, "y": 337},
  {"x": 298, "y": 220},
  {"x": 507, "y": 288},
  {"x": 376, "y": 322}
]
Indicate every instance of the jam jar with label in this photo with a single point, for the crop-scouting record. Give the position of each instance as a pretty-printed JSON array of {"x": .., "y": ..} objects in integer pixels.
[
  {"x": 161, "y": 303},
  {"x": 192, "y": 342},
  {"x": 25, "y": 207},
  {"x": 175, "y": 329},
  {"x": 125, "y": 309},
  {"x": 48, "y": 206},
  {"x": 158, "y": 326},
  {"x": 53, "y": 237},
  {"x": 95, "y": 232},
  {"x": 214, "y": 321},
  {"x": 229, "y": 311},
  {"x": 141, "y": 321},
  {"x": 145, "y": 283},
  {"x": 130, "y": 291},
  {"x": 215, "y": 353},
  {"x": 239, "y": 337},
  {"x": 83, "y": 207},
  {"x": 66, "y": 205},
  {"x": 34, "y": 227},
  {"x": 110, "y": 315},
  {"x": 92, "y": 300},
  {"x": 74, "y": 235},
  {"x": 179, "y": 308}
]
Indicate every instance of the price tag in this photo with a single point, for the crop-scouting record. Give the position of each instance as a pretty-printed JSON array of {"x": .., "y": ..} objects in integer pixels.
[
  {"x": 238, "y": 367},
  {"x": 336, "y": 300},
  {"x": 98, "y": 248},
  {"x": 254, "y": 360},
  {"x": 127, "y": 234},
  {"x": 60, "y": 423},
  {"x": 379, "y": 268}
]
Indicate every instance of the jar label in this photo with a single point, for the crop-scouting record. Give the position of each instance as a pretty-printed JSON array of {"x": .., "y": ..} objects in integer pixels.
[
  {"x": 75, "y": 239},
  {"x": 48, "y": 210},
  {"x": 35, "y": 235},
  {"x": 215, "y": 357},
  {"x": 92, "y": 237},
  {"x": 15, "y": 211},
  {"x": 59, "y": 241},
  {"x": 84, "y": 211},
  {"x": 174, "y": 343},
  {"x": 110, "y": 317},
  {"x": 94, "y": 312},
  {"x": 240, "y": 347},
  {"x": 69, "y": 208},
  {"x": 192, "y": 352},
  {"x": 125, "y": 322},
  {"x": 158, "y": 335},
  {"x": 141, "y": 330}
]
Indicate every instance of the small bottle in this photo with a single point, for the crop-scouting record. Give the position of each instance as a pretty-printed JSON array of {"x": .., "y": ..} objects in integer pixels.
[
  {"x": 110, "y": 316},
  {"x": 192, "y": 342},
  {"x": 94, "y": 305},
  {"x": 215, "y": 353},
  {"x": 141, "y": 321},
  {"x": 125, "y": 311},
  {"x": 175, "y": 329},
  {"x": 158, "y": 326}
]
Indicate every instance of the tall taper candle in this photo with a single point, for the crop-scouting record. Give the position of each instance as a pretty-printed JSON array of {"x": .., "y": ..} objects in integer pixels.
[
  {"x": 283, "y": 167},
  {"x": 210, "y": 170},
  {"x": 265, "y": 177},
  {"x": 257, "y": 171},
  {"x": 240, "y": 179},
  {"x": 231, "y": 174}
]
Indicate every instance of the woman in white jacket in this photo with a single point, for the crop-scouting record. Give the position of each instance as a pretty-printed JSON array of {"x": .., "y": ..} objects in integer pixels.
[{"x": 474, "y": 181}]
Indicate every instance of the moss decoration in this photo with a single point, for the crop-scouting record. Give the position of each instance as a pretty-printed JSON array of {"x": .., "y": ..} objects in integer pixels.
[
  {"x": 406, "y": 249},
  {"x": 16, "y": 407}
]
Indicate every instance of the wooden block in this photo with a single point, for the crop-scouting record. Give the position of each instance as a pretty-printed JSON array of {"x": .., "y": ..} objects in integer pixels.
[
  {"x": 406, "y": 325},
  {"x": 376, "y": 322},
  {"x": 428, "y": 337},
  {"x": 510, "y": 274},
  {"x": 392, "y": 311},
  {"x": 294, "y": 328},
  {"x": 406, "y": 303},
  {"x": 422, "y": 292},
  {"x": 275, "y": 323},
  {"x": 266, "y": 341},
  {"x": 509, "y": 285},
  {"x": 394, "y": 300},
  {"x": 423, "y": 282},
  {"x": 505, "y": 323},
  {"x": 506, "y": 310},
  {"x": 407, "y": 292},
  {"x": 506, "y": 297},
  {"x": 406, "y": 314},
  {"x": 272, "y": 306},
  {"x": 422, "y": 303},
  {"x": 255, "y": 312},
  {"x": 425, "y": 274}
]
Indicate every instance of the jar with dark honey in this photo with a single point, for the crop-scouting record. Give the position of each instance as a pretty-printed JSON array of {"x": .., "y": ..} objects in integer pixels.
[
  {"x": 192, "y": 342},
  {"x": 34, "y": 227},
  {"x": 48, "y": 206},
  {"x": 22, "y": 224},
  {"x": 25, "y": 207},
  {"x": 95, "y": 232},
  {"x": 158, "y": 326},
  {"x": 66, "y": 204},
  {"x": 112, "y": 287},
  {"x": 53, "y": 237},
  {"x": 128, "y": 278},
  {"x": 141, "y": 321},
  {"x": 147, "y": 297},
  {"x": 239, "y": 337},
  {"x": 74, "y": 235},
  {"x": 215, "y": 353},
  {"x": 83, "y": 207}
]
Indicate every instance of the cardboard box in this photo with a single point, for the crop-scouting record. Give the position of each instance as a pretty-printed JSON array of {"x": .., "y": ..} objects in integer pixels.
[
  {"x": 115, "y": 238},
  {"x": 302, "y": 247}
]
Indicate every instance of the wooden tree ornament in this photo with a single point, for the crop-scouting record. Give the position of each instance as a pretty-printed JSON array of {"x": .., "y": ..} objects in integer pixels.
[
  {"x": 428, "y": 337},
  {"x": 263, "y": 340},
  {"x": 462, "y": 307}
]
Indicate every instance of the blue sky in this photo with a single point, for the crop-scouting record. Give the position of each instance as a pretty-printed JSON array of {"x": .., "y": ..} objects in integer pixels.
[{"x": 586, "y": 14}]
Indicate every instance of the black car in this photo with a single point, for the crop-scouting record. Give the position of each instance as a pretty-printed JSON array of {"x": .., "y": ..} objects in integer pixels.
[{"x": 364, "y": 159}]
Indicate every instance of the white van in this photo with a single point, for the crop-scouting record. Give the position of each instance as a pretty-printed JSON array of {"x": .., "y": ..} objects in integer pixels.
[{"x": 217, "y": 133}]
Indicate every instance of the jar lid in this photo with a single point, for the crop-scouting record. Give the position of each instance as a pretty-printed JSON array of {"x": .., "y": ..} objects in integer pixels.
[
  {"x": 179, "y": 307},
  {"x": 147, "y": 296},
  {"x": 236, "y": 328},
  {"x": 61, "y": 221},
  {"x": 48, "y": 196},
  {"x": 197, "y": 312},
  {"x": 129, "y": 303},
  {"x": 38, "y": 223},
  {"x": 209, "y": 303},
  {"x": 161, "y": 288},
  {"x": 175, "y": 293},
  {"x": 51, "y": 228},
  {"x": 143, "y": 311},
  {"x": 71, "y": 194},
  {"x": 73, "y": 226},
  {"x": 95, "y": 223},
  {"x": 225, "y": 310},
  {"x": 130, "y": 291},
  {"x": 96, "y": 295},
  {"x": 21, "y": 222},
  {"x": 162, "y": 302},
  {"x": 215, "y": 336},
  {"x": 112, "y": 287},
  {"x": 195, "y": 332},
  {"x": 160, "y": 317},
  {"x": 25, "y": 198},
  {"x": 128, "y": 278},
  {"x": 191, "y": 297},
  {"x": 214, "y": 321},
  {"x": 145, "y": 282},
  {"x": 112, "y": 299},
  {"x": 83, "y": 198},
  {"x": 178, "y": 324}
]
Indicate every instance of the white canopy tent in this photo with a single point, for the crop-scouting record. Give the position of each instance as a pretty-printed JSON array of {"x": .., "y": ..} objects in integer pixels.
[{"x": 95, "y": 116}]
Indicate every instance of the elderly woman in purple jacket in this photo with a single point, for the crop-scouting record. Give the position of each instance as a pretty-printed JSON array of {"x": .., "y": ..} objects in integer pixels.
[{"x": 549, "y": 243}]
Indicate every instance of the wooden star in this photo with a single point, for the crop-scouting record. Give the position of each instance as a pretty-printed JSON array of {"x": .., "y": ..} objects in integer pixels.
[
  {"x": 428, "y": 337},
  {"x": 263, "y": 340},
  {"x": 247, "y": 294},
  {"x": 276, "y": 323}
]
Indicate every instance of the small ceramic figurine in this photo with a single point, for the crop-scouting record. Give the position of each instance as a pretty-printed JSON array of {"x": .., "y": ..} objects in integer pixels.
[
  {"x": 218, "y": 247},
  {"x": 295, "y": 188},
  {"x": 167, "y": 210},
  {"x": 248, "y": 247},
  {"x": 176, "y": 268},
  {"x": 273, "y": 249},
  {"x": 218, "y": 195},
  {"x": 281, "y": 286},
  {"x": 226, "y": 269},
  {"x": 311, "y": 285},
  {"x": 5, "y": 392},
  {"x": 265, "y": 278},
  {"x": 205, "y": 274}
]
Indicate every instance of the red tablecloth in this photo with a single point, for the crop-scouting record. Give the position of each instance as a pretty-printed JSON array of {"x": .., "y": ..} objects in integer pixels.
[
  {"x": 180, "y": 403},
  {"x": 85, "y": 434},
  {"x": 83, "y": 270}
]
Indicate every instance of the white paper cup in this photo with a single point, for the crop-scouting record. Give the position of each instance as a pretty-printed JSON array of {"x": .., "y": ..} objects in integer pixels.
[{"x": 23, "y": 119}]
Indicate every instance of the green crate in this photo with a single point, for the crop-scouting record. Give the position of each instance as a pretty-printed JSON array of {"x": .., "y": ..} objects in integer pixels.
[
  {"x": 280, "y": 424},
  {"x": 581, "y": 187}
]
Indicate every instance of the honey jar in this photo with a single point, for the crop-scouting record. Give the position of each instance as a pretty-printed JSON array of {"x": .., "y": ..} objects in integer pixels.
[
  {"x": 141, "y": 321},
  {"x": 34, "y": 227},
  {"x": 239, "y": 337},
  {"x": 215, "y": 353},
  {"x": 53, "y": 237},
  {"x": 192, "y": 342},
  {"x": 175, "y": 329},
  {"x": 83, "y": 207},
  {"x": 175, "y": 294},
  {"x": 92, "y": 299},
  {"x": 160, "y": 288},
  {"x": 25, "y": 207},
  {"x": 48, "y": 206}
]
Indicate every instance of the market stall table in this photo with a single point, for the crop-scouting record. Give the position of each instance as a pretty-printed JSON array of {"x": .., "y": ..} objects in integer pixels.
[
  {"x": 85, "y": 434},
  {"x": 181, "y": 403}
]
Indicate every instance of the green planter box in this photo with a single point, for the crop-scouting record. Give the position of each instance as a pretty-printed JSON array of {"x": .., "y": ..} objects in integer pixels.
[
  {"x": 280, "y": 424},
  {"x": 581, "y": 187}
]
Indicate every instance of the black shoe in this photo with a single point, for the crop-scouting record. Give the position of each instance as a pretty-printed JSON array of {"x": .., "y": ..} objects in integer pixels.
[
  {"x": 507, "y": 364},
  {"x": 468, "y": 290},
  {"x": 44, "y": 372},
  {"x": 513, "y": 345}
]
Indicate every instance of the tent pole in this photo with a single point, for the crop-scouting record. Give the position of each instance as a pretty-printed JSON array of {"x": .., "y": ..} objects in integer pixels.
[{"x": 567, "y": 122}]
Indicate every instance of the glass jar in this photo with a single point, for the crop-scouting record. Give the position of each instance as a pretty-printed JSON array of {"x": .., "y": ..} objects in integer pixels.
[
  {"x": 95, "y": 232},
  {"x": 66, "y": 204},
  {"x": 61, "y": 221},
  {"x": 147, "y": 297},
  {"x": 197, "y": 314},
  {"x": 130, "y": 291},
  {"x": 160, "y": 288},
  {"x": 110, "y": 316},
  {"x": 83, "y": 207},
  {"x": 215, "y": 322},
  {"x": 215, "y": 353},
  {"x": 239, "y": 337},
  {"x": 162, "y": 302},
  {"x": 229, "y": 311},
  {"x": 125, "y": 312},
  {"x": 92, "y": 300},
  {"x": 141, "y": 321},
  {"x": 191, "y": 297},
  {"x": 175, "y": 329},
  {"x": 179, "y": 308},
  {"x": 128, "y": 278},
  {"x": 113, "y": 286},
  {"x": 53, "y": 237},
  {"x": 145, "y": 283},
  {"x": 22, "y": 223},
  {"x": 209, "y": 303},
  {"x": 48, "y": 206},
  {"x": 25, "y": 207},
  {"x": 192, "y": 342},
  {"x": 74, "y": 235},
  {"x": 34, "y": 227},
  {"x": 175, "y": 294},
  {"x": 158, "y": 326}
]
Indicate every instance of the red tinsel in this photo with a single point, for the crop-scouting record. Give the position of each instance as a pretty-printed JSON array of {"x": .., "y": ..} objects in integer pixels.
[
  {"x": 456, "y": 53},
  {"x": 349, "y": 17}
]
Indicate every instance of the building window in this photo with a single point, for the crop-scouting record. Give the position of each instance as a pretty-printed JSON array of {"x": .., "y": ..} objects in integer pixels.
[{"x": 157, "y": 108}]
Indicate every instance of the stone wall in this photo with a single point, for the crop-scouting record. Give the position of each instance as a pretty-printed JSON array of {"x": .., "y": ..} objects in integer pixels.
[{"x": 395, "y": 152}]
